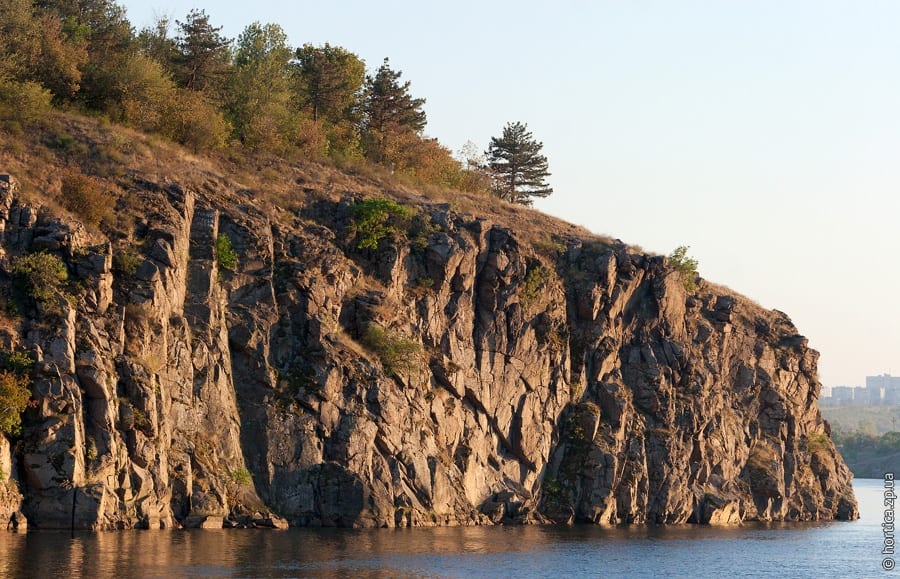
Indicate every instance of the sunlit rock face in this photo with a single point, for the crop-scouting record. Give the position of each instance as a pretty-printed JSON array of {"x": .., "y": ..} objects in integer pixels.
[{"x": 460, "y": 373}]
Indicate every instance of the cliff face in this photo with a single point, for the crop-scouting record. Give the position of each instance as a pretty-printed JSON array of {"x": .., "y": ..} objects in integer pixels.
[{"x": 454, "y": 375}]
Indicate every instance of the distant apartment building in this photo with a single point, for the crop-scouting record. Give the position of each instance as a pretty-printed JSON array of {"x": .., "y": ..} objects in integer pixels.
[
  {"x": 842, "y": 395},
  {"x": 883, "y": 389},
  {"x": 887, "y": 385},
  {"x": 892, "y": 395}
]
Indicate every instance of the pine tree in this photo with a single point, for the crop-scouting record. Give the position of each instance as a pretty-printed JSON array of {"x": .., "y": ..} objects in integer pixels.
[
  {"x": 390, "y": 111},
  {"x": 155, "y": 42},
  {"x": 330, "y": 81},
  {"x": 202, "y": 57},
  {"x": 518, "y": 168}
]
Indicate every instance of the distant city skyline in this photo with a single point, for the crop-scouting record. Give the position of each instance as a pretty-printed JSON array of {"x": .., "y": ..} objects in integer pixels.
[
  {"x": 764, "y": 135},
  {"x": 880, "y": 389}
]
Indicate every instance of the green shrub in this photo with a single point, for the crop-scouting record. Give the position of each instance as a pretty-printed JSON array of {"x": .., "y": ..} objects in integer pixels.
[
  {"x": 84, "y": 196},
  {"x": 377, "y": 218},
  {"x": 241, "y": 476},
  {"x": 680, "y": 260},
  {"x": 397, "y": 353},
  {"x": 225, "y": 253},
  {"x": 535, "y": 280},
  {"x": 126, "y": 263},
  {"x": 419, "y": 229},
  {"x": 551, "y": 488},
  {"x": 19, "y": 363},
  {"x": 41, "y": 275},
  {"x": 90, "y": 449},
  {"x": 550, "y": 247},
  {"x": 14, "y": 396},
  {"x": 816, "y": 442},
  {"x": 22, "y": 104},
  {"x": 140, "y": 419},
  {"x": 194, "y": 121},
  {"x": 144, "y": 93}
]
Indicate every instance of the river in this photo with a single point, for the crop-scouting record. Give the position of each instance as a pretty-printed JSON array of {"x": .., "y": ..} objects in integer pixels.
[{"x": 751, "y": 550}]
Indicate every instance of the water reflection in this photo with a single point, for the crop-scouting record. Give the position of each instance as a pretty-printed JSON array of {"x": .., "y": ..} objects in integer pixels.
[{"x": 795, "y": 549}]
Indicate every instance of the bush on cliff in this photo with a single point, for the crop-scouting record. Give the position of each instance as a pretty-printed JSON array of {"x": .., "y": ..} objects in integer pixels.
[
  {"x": 14, "y": 396},
  {"x": 377, "y": 218},
  {"x": 686, "y": 265},
  {"x": 397, "y": 353},
  {"x": 83, "y": 195},
  {"x": 225, "y": 253},
  {"x": 41, "y": 275},
  {"x": 535, "y": 280}
]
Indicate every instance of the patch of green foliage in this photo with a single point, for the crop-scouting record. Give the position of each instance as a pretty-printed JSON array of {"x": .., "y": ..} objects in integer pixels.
[
  {"x": 419, "y": 230},
  {"x": 377, "y": 218},
  {"x": 225, "y": 253},
  {"x": 23, "y": 104},
  {"x": 90, "y": 449},
  {"x": 397, "y": 353},
  {"x": 126, "y": 262},
  {"x": 816, "y": 442},
  {"x": 854, "y": 442},
  {"x": 241, "y": 476},
  {"x": 868, "y": 455},
  {"x": 15, "y": 389},
  {"x": 20, "y": 363},
  {"x": 14, "y": 396},
  {"x": 551, "y": 488},
  {"x": 41, "y": 275},
  {"x": 550, "y": 246},
  {"x": 535, "y": 280},
  {"x": 140, "y": 419},
  {"x": 685, "y": 264}
]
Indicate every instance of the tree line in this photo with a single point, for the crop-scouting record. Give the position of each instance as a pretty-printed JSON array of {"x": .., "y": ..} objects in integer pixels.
[{"x": 186, "y": 81}]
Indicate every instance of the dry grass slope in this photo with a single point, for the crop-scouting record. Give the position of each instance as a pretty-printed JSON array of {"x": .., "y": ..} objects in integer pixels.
[{"x": 123, "y": 161}]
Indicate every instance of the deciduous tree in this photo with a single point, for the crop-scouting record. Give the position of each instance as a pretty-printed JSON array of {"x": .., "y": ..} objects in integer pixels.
[
  {"x": 109, "y": 38},
  {"x": 259, "y": 98},
  {"x": 35, "y": 47}
]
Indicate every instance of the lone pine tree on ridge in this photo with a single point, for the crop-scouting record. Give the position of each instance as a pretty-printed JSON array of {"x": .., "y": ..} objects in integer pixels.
[{"x": 518, "y": 168}]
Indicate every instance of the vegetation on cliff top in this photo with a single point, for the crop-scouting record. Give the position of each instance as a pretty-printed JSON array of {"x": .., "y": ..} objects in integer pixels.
[
  {"x": 686, "y": 266},
  {"x": 251, "y": 97}
]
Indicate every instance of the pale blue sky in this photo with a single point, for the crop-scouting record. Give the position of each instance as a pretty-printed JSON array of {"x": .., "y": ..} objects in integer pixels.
[{"x": 764, "y": 134}]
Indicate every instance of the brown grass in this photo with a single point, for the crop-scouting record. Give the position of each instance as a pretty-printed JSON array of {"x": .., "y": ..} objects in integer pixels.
[{"x": 115, "y": 156}]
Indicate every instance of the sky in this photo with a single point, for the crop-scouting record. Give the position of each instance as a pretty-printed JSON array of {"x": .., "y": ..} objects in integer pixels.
[{"x": 763, "y": 134}]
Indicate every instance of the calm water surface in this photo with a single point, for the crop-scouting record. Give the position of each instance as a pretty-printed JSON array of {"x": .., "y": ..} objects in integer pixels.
[{"x": 838, "y": 549}]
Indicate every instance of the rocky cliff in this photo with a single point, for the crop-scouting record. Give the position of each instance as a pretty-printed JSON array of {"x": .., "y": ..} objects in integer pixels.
[{"x": 456, "y": 372}]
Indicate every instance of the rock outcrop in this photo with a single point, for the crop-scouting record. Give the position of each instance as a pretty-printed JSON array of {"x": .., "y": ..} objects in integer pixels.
[{"x": 458, "y": 374}]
